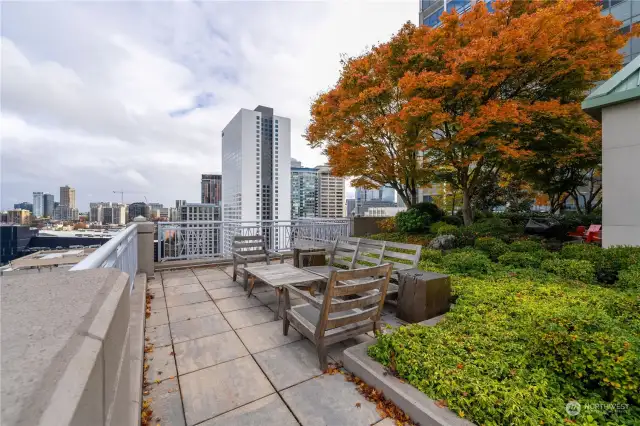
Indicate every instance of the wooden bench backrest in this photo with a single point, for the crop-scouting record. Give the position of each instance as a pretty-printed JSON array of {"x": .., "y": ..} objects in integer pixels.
[
  {"x": 344, "y": 251},
  {"x": 400, "y": 255},
  {"x": 248, "y": 245},
  {"x": 370, "y": 287}
]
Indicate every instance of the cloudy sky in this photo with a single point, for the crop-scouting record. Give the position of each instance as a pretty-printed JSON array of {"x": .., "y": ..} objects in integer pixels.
[{"x": 133, "y": 95}]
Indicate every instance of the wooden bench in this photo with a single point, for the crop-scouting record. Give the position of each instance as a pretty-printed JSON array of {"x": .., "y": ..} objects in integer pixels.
[
  {"x": 357, "y": 253},
  {"x": 250, "y": 249},
  {"x": 331, "y": 319}
]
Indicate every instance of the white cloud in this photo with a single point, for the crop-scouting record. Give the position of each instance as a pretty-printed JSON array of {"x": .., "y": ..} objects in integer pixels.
[{"x": 88, "y": 89}]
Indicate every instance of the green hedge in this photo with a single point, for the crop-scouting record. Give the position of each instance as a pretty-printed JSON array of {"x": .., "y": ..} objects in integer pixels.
[
  {"x": 526, "y": 246},
  {"x": 492, "y": 246},
  {"x": 629, "y": 278},
  {"x": 431, "y": 255},
  {"x": 520, "y": 260},
  {"x": 572, "y": 269},
  {"x": 516, "y": 351},
  {"x": 412, "y": 221},
  {"x": 470, "y": 262}
]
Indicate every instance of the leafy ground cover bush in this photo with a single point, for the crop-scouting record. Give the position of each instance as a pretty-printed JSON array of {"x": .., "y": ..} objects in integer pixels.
[
  {"x": 629, "y": 278},
  {"x": 431, "y": 255},
  {"x": 516, "y": 351},
  {"x": 446, "y": 229},
  {"x": 526, "y": 246},
  {"x": 412, "y": 221},
  {"x": 388, "y": 224},
  {"x": 572, "y": 269},
  {"x": 430, "y": 209},
  {"x": 492, "y": 246},
  {"x": 470, "y": 262},
  {"x": 520, "y": 260}
]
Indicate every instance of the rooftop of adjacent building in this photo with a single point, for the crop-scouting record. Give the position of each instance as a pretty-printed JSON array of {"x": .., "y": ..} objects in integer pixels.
[{"x": 46, "y": 258}]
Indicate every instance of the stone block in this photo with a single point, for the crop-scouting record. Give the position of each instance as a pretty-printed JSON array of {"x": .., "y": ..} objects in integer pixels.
[
  {"x": 265, "y": 336},
  {"x": 178, "y": 281},
  {"x": 161, "y": 364},
  {"x": 187, "y": 299},
  {"x": 224, "y": 293},
  {"x": 182, "y": 289},
  {"x": 422, "y": 295},
  {"x": 290, "y": 364},
  {"x": 157, "y": 318},
  {"x": 158, "y": 335},
  {"x": 166, "y": 403},
  {"x": 214, "y": 285}
]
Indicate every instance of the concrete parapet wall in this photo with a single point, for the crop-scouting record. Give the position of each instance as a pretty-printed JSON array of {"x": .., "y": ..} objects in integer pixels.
[{"x": 66, "y": 348}]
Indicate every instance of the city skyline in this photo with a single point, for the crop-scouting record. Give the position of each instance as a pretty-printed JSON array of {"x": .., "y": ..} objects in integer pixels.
[{"x": 144, "y": 110}]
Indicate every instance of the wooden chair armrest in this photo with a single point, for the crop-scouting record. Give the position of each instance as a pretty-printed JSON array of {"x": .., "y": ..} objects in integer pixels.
[
  {"x": 239, "y": 256},
  {"x": 314, "y": 301},
  {"x": 313, "y": 253}
]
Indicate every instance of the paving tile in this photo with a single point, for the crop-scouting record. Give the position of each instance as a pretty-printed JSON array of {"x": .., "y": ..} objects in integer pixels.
[
  {"x": 158, "y": 303},
  {"x": 158, "y": 335},
  {"x": 223, "y": 293},
  {"x": 262, "y": 288},
  {"x": 156, "y": 292},
  {"x": 207, "y": 351},
  {"x": 158, "y": 317},
  {"x": 269, "y": 297},
  {"x": 186, "y": 273},
  {"x": 161, "y": 364},
  {"x": 237, "y": 382},
  {"x": 265, "y": 336},
  {"x": 195, "y": 310},
  {"x": 198, "y": 327},
  {"x": 154, "y": 285},
  {"x": 213, "y": 285},
  {"x": 268, "y": 411},
  {"x": 290, "y": 364},
  {"x": 182, "y": 289},
  {"x": 335, "y": 402},
  {"x": 294, "y": 302},
  {"x": 336, "y": 352},
  {"x": 187, "y": 299},
  {"x": 248, "y": 317},
  {"x": 172, "y": 282},
  {"x": 210, "y": 274},
  {"x": 166, "y": 403},
  {"x": 235, "y": 303}
]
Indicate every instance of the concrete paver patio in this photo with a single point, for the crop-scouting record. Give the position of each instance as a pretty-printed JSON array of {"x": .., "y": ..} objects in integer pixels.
[{"x": 219, "y": 358}]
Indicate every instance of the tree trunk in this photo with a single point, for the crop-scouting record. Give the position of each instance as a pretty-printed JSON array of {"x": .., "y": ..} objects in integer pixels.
[{"x": 467, "y": 212}]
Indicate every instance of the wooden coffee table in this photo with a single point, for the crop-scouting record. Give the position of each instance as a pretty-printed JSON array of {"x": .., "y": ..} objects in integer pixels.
[{"x": 278, "y": 275}]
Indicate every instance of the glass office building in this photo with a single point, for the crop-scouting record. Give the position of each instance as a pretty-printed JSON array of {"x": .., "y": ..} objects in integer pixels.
[{"x": 627, "y": 11}]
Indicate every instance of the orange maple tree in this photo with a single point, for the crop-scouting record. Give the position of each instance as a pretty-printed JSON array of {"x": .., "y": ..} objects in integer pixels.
[{"x": 466, "y": 97}]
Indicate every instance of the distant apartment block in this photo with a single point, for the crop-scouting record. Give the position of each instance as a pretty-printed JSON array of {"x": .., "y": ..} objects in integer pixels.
[
  {"x": 66, "y": 213},
  {"x": 304, "y": 191},
  {"x": 48, "y": 204},
  {"x": 211, "y": 189},
  {"x": 383, "y": 211},
  {"x": 350, "y": 206},
  {"x": 138, "y": 209},
  {"x": 114, "y": 214},
  {"x": 169, "y": 214},
  {"x": 38, "y": 204},
  {"x": 19, "y": 217},
  {"x": 370, "y": 198},
  {"x": 200, "y": 239},
  {"x": 180, "y": 203},
  {"x": 24, "y": 206},
  {"x": 68, "y": 196},
  {"x": 331, "y": 194}
]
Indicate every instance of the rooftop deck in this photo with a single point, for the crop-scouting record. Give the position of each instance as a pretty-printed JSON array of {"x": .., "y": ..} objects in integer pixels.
[{"x": 219, "y": 358}]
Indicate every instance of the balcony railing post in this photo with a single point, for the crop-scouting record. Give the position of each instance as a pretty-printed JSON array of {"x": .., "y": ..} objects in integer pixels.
[{"x": 145, "y": 246}]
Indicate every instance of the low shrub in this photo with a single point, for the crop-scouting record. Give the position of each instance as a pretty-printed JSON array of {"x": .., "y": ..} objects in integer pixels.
[
  {"x": 616, "y": 259},
  {"x": 577, "y": 251},
  {"x": 446, "y": 229},
  {"x": 412, "y": 221},
  {"x": 452, "y": 220},
  {"x": 629, "y": 278},
  {"x": 469, "y": 262},
  {"x": 571, "y": 269},
  {"x": 526, "y": 246},
  {"x": 431, "y": 255},
  {"x": 520, "y": 260},
  {"x": 387, "y": 224},
  {"x": 516, "y": 351},
  {"x": 430, "y": 209},
  {"x": 435, "y": 227},
  {"x": 492, "y": 227},
  {"x": 492, "y": 246}
]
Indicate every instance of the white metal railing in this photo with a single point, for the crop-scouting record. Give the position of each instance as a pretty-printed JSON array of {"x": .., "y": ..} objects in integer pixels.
[
  {"x": 120, "y": 252},
  {"x": 212, "y": 239}
]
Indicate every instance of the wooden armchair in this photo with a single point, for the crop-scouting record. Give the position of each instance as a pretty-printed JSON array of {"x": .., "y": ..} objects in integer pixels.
[
  {"x": 351, "y": 305},
  {"x": 341, "y": 256},
  {"x": 248, "y": 249}
]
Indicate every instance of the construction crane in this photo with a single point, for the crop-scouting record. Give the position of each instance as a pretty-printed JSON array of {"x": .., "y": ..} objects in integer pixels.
[{"x": 122, "y": 192}]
